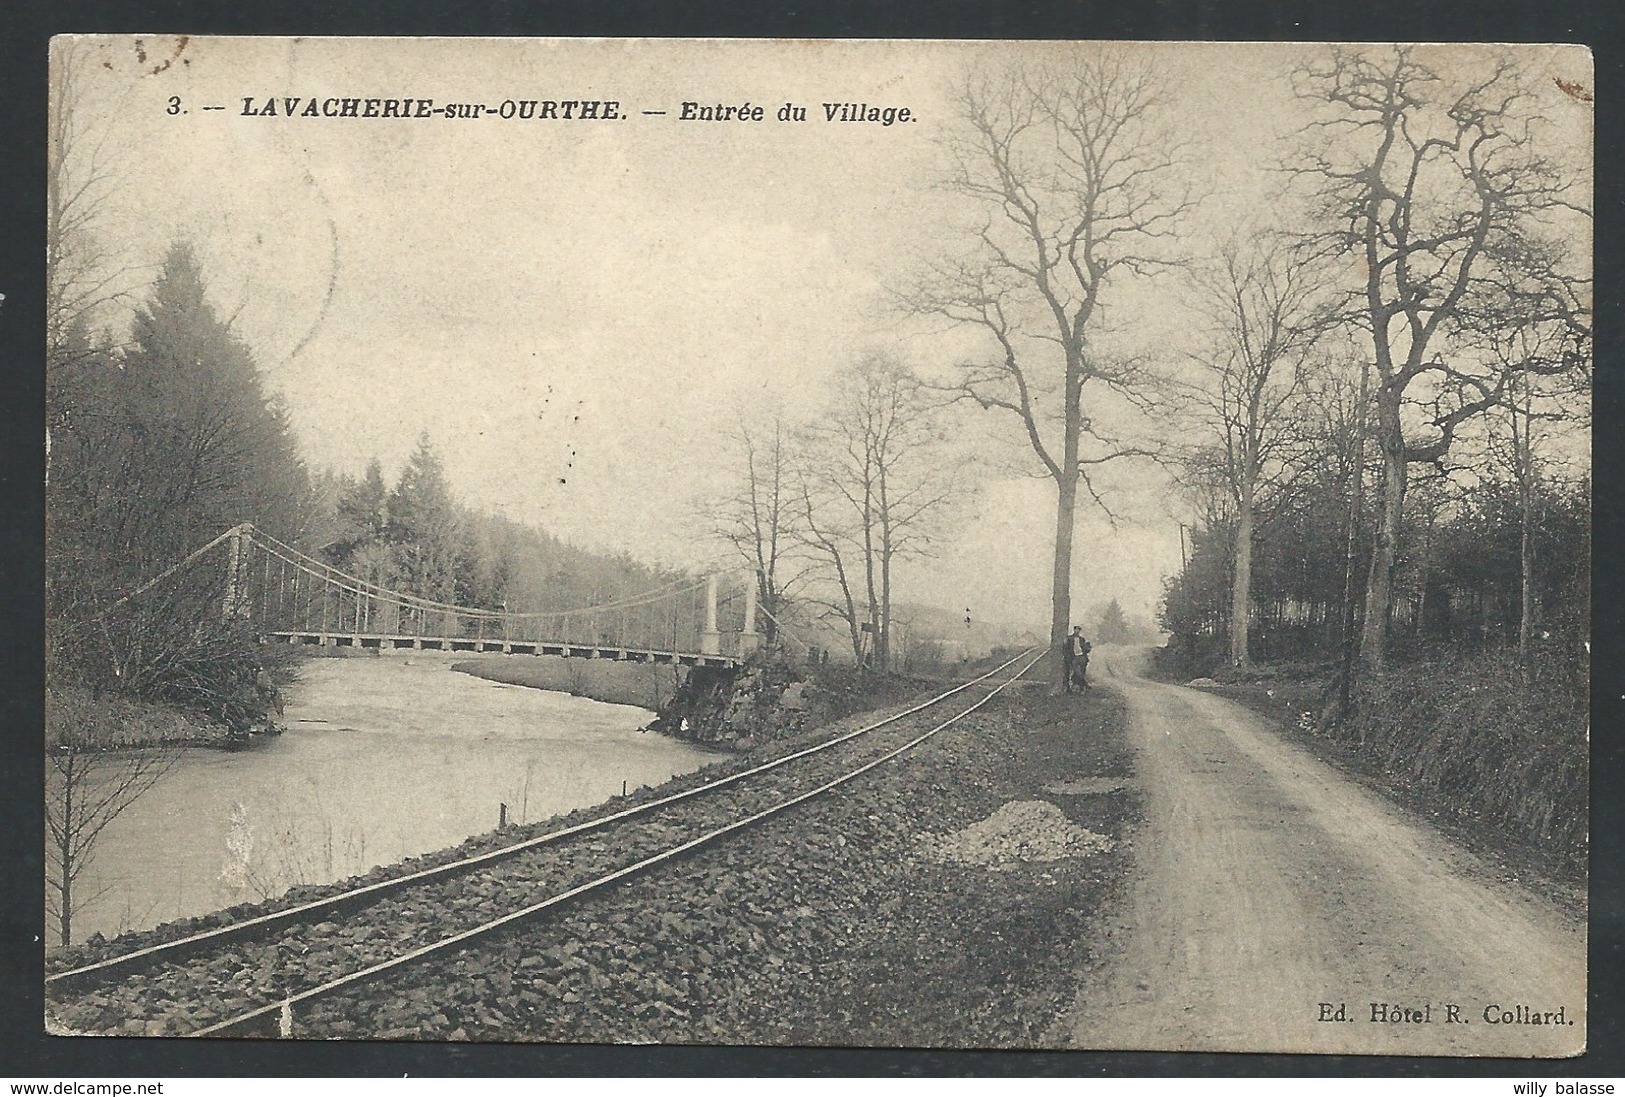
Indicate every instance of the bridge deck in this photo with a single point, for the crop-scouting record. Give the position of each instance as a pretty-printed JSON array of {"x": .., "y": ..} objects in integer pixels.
[{"x": 388, "y": 642}]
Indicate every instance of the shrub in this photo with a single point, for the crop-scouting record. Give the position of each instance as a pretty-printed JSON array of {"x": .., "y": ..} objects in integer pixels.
[{"x": 76, "y": 719}]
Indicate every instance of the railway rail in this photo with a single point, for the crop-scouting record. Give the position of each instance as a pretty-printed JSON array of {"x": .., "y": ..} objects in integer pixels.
[{"x": 250, "y": 977}]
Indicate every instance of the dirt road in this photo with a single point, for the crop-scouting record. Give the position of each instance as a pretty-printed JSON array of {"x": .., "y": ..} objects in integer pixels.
[{"x": 1280, "y": 908}]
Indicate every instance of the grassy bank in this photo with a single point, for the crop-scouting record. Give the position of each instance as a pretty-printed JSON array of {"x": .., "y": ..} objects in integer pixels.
[
  {"x": 107, "y": 721},
  {"x": 1469, "y": 734}
]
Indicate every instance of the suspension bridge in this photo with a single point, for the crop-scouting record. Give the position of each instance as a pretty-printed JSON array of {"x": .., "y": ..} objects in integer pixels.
[{"x": 292, "y": 597}]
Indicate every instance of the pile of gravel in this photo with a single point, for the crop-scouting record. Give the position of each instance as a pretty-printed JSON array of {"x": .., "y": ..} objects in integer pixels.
[{"x": 1021, "y": 832}]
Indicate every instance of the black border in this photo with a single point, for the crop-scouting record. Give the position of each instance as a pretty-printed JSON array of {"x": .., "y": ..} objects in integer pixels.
[{"x": 25, "y": 28}]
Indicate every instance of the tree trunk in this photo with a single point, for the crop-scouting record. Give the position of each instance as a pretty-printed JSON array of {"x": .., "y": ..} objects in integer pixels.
[
  {"x": 885, "y": 604},
  {"x": 1345, "y": 612},
  {"x": 1379, "y": 594},
  {"x": 65, "y": 855},
  {"x": 1061, "y": 585},
  {"x": 1523, "y": 465},
  {"x": 1241, "y": 582},
  {"x": 1526, "y": 545},
  {"x": 1526, "y": 619},
  {"x": 65, "y": 915},
  {"x": 869, "y": 581},
  {"x": 1425, "y": 565},
  {"x": 768, "y": 602},
  {"x": 851, "y": 615}
]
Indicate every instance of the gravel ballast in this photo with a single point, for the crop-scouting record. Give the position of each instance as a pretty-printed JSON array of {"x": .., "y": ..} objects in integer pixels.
[{"x": 952, "y": 897}]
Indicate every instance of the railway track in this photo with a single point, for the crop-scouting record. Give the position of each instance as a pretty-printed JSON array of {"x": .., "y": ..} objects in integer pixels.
[{"x": 251, "y": 977}]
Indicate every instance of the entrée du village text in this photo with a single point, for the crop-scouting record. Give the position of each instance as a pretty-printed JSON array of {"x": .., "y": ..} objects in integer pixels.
[{"x": 563, "y": 110}]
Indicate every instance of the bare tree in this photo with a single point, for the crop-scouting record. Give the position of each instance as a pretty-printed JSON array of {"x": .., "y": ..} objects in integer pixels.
[
  {"x": 1264, "y": 323},
  {"x": 1071, "y": 178},
  {"x": 827, "y": 533},
  {"x": 1435, "y": 195},
  {"x": 874, "y": 480},
  {"x": 81, "y": 276},
  {"x": 761, "y": 521},
  {"x": 1536, "y": 406},
  {"x": 90, "y": 780}
]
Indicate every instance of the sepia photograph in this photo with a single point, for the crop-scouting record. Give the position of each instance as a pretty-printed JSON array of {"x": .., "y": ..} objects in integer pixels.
[{"x": 819, "y": 543}]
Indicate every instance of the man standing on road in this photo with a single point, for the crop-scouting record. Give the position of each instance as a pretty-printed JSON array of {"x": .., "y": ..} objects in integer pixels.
[{"x": 1075, "y": 660}]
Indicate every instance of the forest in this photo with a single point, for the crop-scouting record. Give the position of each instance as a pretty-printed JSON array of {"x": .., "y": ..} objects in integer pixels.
[{"x": 158, "y": 445}]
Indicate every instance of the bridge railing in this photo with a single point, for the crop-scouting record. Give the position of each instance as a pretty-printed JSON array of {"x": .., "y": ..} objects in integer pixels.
[{"x": 287, "y": 591}]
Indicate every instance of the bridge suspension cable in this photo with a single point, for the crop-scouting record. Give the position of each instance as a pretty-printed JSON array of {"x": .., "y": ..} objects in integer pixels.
[
  {"x": 288, "y": 594},
  {"x": 328, "y": 573}
]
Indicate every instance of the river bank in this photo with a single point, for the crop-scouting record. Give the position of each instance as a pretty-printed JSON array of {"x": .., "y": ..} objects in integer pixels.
[
  {"x": 642, "y": 684},
  {"x": 108, "y": 722},
  {"x": 721, "y": 710},
  {"x": 382, "y": 759}
]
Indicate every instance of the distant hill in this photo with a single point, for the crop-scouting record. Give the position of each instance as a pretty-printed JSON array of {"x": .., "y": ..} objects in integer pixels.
[
  {"x": 960, "y": 636},
  {"x": 933, "y": 633}
]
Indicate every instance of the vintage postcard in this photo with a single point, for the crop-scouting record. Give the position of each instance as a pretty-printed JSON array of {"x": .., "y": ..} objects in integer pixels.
[{"x": 832, "y": 543}]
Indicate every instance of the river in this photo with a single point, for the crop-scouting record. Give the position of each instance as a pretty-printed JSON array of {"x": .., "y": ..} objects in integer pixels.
[{"x": 384, "y": 758}]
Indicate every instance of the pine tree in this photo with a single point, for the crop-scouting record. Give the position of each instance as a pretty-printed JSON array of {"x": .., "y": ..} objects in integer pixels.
[
  {"x": 362, "y": 513},
  {"x": 425, "y": 524},
  {"x": 1113, "y": 627},
  {"x": 207, "y": 447},
  {"x": 162, "y": 449}
]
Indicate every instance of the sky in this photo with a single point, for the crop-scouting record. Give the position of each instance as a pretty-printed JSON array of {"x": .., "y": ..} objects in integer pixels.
[{"x": 578, "y": 313}]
